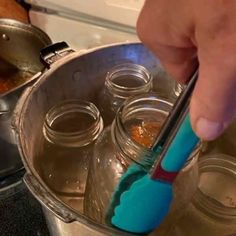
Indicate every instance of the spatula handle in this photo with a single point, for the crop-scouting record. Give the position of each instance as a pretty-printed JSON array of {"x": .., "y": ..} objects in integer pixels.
[{"x": 177, "y": 151}]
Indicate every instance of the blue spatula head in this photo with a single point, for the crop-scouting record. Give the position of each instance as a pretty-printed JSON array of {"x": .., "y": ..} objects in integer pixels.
[
  {"x": 144, "y": 206},
  {"x": 133, "y": 173}
]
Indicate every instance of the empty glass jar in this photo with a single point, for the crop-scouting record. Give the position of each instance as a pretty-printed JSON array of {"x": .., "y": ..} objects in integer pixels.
[
  {"x": 121, "y": 82},
  {"x": 126, "y": 142},
  {"x": 70, "y": 129},
  {"x": 212, "y": 211}
]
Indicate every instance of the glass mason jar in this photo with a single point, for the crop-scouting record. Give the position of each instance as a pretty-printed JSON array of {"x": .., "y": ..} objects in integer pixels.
[
  {"x": 121, "y": 82},
  {"x": 212, "y": 211},
  {"x": 124, "y": 143},
  {"x": 70, "y": 129}
]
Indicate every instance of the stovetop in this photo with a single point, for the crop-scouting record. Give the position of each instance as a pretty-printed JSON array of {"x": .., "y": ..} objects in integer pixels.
[
  {"x": 10, "y": 161},
  {"x": 20, "y": 213}
]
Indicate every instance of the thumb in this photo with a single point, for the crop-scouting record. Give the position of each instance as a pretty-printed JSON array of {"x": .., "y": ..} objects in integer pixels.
[{"x": 213, "y": 103}]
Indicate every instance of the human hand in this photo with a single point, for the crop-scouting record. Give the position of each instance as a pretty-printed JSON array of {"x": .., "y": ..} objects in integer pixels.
[
  {"x": 11, "y": 9},
  {"x": 184, "y": 33}
]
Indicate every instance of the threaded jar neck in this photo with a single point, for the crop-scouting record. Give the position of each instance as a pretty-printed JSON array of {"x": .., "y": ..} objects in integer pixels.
[
  {"x": 138, "y": 113},
  {"x": 128, "y": 79},
  {"x": 216, "y": 194},
  {"x": 73, "y": 123}
]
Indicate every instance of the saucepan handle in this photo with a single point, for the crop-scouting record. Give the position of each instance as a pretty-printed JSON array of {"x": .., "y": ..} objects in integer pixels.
[
  {"x": 47, "y": 200},
  {"x": 54, "y": 52}
]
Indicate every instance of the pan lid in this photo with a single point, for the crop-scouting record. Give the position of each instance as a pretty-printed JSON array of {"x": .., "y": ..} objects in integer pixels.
[{"x": 20, "y": 45}]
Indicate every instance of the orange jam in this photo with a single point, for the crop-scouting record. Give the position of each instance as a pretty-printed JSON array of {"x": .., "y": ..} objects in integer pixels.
[{"x": 146, "y": 132}]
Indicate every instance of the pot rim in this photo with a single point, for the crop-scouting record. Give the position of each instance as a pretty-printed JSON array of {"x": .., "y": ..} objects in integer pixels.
[{"x": 19, "y": 113}]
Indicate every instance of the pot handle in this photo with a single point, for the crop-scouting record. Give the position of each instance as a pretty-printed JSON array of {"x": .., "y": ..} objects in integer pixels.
[
  {"x": 48, "y": 201},
  {"x": 54, "y": 52}
]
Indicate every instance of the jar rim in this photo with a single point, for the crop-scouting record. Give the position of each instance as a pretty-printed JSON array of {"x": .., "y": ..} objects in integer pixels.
[
  {"x": 133, "y": 69},
  {"x": 72, "y": 138},
  {"x": 210, "y": 206}
]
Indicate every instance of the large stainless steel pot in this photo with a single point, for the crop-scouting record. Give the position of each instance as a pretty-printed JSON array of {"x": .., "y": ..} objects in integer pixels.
[
  {"x": 72, "y": 75},
  {"x": 20, "y": 45}
]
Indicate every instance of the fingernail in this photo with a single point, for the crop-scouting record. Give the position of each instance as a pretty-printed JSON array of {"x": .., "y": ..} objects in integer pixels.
[{"x": 208, "y": 130}]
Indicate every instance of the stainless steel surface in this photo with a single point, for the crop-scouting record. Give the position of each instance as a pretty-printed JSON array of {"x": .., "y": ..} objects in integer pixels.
[
  {"x": 52, "y": 203},
  {"x": 60, "y": 228},
  {"x": 76, "y": 76},
  {"x": 20, "y": 45}
]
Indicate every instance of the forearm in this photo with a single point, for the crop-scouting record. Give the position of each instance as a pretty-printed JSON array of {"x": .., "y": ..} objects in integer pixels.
[{"x": 11, "y": 9}]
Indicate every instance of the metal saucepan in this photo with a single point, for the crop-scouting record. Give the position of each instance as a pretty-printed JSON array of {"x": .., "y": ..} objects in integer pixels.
[{"x": 20, "y": 65}]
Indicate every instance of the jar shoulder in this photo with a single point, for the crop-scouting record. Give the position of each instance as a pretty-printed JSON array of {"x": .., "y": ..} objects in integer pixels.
[{"x": 105, "y": 150}]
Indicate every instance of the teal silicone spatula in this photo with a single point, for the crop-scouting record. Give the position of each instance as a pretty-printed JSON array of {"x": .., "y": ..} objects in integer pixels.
[
  {"x": 136, "y": 171},
  {"x": 145, "y": 204}
]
